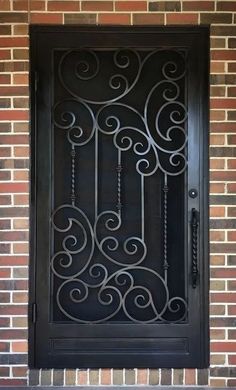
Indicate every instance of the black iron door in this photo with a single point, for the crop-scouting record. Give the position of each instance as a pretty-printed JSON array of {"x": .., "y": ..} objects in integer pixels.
[{"x": 119, "y": 197}]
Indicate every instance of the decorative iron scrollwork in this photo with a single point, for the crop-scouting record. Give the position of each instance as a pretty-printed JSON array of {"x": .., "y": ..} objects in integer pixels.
[{"x": 98, "y": 261}]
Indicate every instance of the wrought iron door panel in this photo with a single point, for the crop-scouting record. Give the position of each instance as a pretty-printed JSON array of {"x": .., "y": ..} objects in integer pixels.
[{"x": 123, "y": 248}]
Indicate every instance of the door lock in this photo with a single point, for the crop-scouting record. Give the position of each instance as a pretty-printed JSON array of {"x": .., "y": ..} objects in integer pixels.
[{"x": 193, "y": 193}]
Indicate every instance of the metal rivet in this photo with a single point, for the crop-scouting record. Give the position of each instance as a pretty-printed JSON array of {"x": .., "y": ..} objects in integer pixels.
[{"x": 193, "y": 193}]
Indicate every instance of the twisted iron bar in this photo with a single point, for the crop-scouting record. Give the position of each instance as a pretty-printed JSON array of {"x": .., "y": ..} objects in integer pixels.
[
  {"x": 165, "y": 263},
  {"x": 119, "y": 169},
  {"x": 73, "y": 174}
]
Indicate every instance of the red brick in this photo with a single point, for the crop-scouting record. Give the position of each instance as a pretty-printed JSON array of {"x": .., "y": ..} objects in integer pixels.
[
  {"x": 226, "y": 5},
  {"x": 231, "y": 91},
  {"x": 214, "y": 18},
  {"x": 13, "y": 382},
  {"x": 13, "y": 260},
  {"x": 223, "y": 273},
  {"x": 223, "y": 297},
  {"x": 4, "y": 200},
  {"x": 5, "y": 248},
  {"x": 21, "y": 151},
  {"x": 232, "y": 210},
  {"x": 37, "y": 5},
  {"x": 21, "y": 127},
  {"x": 152, "y": 18},
  {"x": 21, "y": 79},
  {"x": 223, "y": 346},
  {"x": 232, "y": 42},
  {"x": 114, "y": 19},
  {"x": 231, "y": 286},
  {"x": 46, "y": 18},
  {"x": 217, "y": 91},
  {"x": 198, "y": 5},
  {"x": 217, "y": 235},
  {"x": 223, "y": 176},
  {"x": 14, "y": 91},
  {"x": 223, "y": 127},
  {"x": 217, "y": 211},
  {"x": 232, "y": 67},
  {"x": 20, "y": 5},
  {"x": 19, "y": 322},
  {"x": 106, "y": 376},
  {"x": 142, "y": 376},
  {"x": 223, "y": 55},
  {"x": 5, "y": 79},
  {"x": 223, "y": 103},
  {"x": 217, "y": 260},
  {"x": 217, "y": 334},
  {"x": 232, "y": 359},
  {"x": 231, "y": 163},
  {"x": 13, "y": 236},
  {"x": 5, "y": 5},
  {"x": 131, "y": 6},
  {"x": 217, "y": 382},
  {"x": 19, "y": 371},
  {"x": 5, "y": 273},
  {"x": 13, "y": 334},
  {"x": 63, "y": 6},
  {"x": 4, "y": 371},
  {"x": 223, "y": 248},
  {"x": 217, "y": 163},
  {"x": 14, "y": 139},
  {"x": 217, "y": 67},
  {"x": 82, "y": 377},
  {"x": 21, "y": 199},
  {"x": 217, "y": 140},
  {"x": 5, "y": 175},
  {"x": 190, "y": 376},
  {"x": 17, "y": 115},
  {"x": 21, "y": 54},
  {"x": 14, "y": 187},
  {"x": 80, "y": 18},
  {"x": 97, "y": 5},
  {"x": 231, "y": 141},
  {"x": 217, "y": 115},
  {"x": 182, "y": 18},
  {"x": 5, "y": 54},
  {"x": 5, "y": 152},
  {"x": 19, "y": 346},
  {"x": 13, "y": 310},
  {"x": 21, "y": 248},
  {"x": 231, "y": 383},
  {"x": 4, "y": 297},
  {"x": 14, "y": 42},
  {"x": 217, "y": 188},
  {"x": 20, "y": 175},
  {"x": 231, "y": 235},
  {"x": 20, "y": 297},
  {"x": 4, "y": 323},
  {"x": 231, "y": 188},
  {"x": 232, "y": 310}
]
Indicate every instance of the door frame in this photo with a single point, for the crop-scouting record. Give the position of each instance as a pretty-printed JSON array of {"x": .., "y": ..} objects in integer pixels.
[{"x": 203, "y": 31}]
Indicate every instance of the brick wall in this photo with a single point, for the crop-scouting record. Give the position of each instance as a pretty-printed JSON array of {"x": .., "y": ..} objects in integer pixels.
[{"x": 14, "y": 161}]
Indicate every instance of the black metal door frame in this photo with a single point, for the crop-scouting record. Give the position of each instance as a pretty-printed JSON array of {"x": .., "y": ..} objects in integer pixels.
[{"x": 44, "y": 39}]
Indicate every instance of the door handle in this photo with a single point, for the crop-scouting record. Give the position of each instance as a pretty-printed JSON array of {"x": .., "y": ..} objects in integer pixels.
[{"x": 194, "y": 226}]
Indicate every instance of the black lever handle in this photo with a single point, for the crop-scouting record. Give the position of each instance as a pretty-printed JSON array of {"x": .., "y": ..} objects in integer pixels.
[{"x": 194, "y": 225}]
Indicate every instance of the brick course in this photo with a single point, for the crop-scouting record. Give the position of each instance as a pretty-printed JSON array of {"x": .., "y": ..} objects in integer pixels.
[{"x": 15, "y": 15}]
